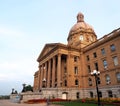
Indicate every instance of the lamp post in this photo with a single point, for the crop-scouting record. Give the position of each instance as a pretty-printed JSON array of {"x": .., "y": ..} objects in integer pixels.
[{"x": 96, "y": 73}]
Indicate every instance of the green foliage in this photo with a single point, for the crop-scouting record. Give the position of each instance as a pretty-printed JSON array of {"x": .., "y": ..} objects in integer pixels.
[
  {"x": 5, "y": 97},
  {"x": 27, "y": 88}
]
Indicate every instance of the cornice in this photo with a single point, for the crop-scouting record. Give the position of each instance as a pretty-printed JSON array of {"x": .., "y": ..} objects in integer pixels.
[{"x": 114, "y": 34}]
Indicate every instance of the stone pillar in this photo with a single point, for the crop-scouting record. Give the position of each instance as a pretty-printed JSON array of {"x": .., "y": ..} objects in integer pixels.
[
  {"x": 42, "y": 75},
  {"x": 59, "y": 70},
  {"x": 68, "y": 69},
  {"x": 53, "y": 73},
  {"x": 39, "y": 76},
  {"x": 45, "y": 70},
  {"x": 48, "y": 77}
]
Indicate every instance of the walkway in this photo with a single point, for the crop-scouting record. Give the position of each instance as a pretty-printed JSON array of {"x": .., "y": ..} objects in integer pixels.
[{"x": 9, "y": 103}]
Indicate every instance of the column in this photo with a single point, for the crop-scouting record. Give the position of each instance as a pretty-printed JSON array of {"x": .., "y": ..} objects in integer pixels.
[
  {"x": 59, "y": 70},
  {"x": 48, "y": 77},
  {"x": 42, "y": 74},
  {"x": 45, "y": 70},
  {"x": 68, "y": 69},
  {"x": 39, "y": 76},
  {"x": 53, "y": 73}
]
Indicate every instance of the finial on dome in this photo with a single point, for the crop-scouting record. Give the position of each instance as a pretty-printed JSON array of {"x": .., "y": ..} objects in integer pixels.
[{"x": 80, "y": 17}]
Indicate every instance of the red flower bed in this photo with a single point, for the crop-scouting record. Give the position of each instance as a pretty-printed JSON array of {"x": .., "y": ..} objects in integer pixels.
[{"x": 44, "y": 100}]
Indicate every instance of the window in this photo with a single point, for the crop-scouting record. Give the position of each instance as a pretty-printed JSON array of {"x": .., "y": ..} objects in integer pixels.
[
  {"x": 105, "y": 63},
  {"x": 115, "y": 60},
  {"x": 90, "y": 82},
  {"x": 91, "y": 94},
  {"x": 118, "y": 77},
  {"x": 119, "y": 91},
  {"x": 75, "y": 58},
  {"x": 100, "y": 94},
  {"x": 110, "y": 93},
  {"x": 96, "y": 66},
  {"x": 81, "y": 37},
  {"x": 65, "y": 70},
  {"x": 78, "y": 95},
  {"x": 98, "y": 80},
  {"x": 112, "y": 47},
  {"x": 107, "y": 78},
  {"x": 87, "y": 57},
  {"x": 103, "y": 51},
  {"x": 76, "y": 82},
  {"x": 94, "y": 55},
  {"x": 89, "y": 69},
  {"x": 65, "y": 82},
  {"x": 76, "y": 70}
]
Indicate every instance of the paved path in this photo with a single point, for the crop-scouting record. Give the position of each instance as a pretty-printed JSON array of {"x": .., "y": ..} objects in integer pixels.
[{"x": 9, "y": 103}]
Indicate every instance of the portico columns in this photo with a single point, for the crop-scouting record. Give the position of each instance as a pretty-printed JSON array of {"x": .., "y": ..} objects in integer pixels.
[
  {"x": 44, "y": 77},
  {"x": 59, "y": 71},
  {"x": 53, "y": 72},
  {"x": 48, "y": 77},
  {"x": 41, "y": 71}
]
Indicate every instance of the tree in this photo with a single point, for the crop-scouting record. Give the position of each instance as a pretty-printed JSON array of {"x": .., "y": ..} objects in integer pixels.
[{"x": 27, "y": 88}]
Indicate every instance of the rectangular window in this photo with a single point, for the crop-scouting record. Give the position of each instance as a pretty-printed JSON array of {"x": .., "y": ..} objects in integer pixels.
[
  {"x": 78, "y": 95},
  {"x": 94, "y": 55},
  {"x": 98, "y": 80},
  {"x": 115, "y": 60},
  {"x": 112, "y": 47},
  {"x": 118, "y": 77},
  {"x": 110, "y": 94},
  {"x": 105, "y": 63},
  {"x": 89, "y": 69},
  {"x": 75, "y": 59},
  {"x": 76, "y": 70},
  {"x": 91, "y": 94},
  {"x": 100, "y": 94},
  {"x": 103, "y": 51},
  {"x": 65, "y": 70},
  {"x": 87, "y": 57},
  {"x": 90, "y": 82},
  {"x": 96, "y": 66}
]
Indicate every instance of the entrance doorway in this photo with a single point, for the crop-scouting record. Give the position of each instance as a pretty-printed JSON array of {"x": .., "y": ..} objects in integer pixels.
[{"x": 64, "y": 95}]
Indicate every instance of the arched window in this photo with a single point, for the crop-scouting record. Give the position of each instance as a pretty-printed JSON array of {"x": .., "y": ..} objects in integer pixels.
[
  {"x": 107, "y": 78},
  {"x": 90, "y": 82},
  {"x": 76, "y": 82},
  {"x": 118, "y": 77}
]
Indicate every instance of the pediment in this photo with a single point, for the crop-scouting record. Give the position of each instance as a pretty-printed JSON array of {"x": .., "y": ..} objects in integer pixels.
[{"x": 47, "y": 48}]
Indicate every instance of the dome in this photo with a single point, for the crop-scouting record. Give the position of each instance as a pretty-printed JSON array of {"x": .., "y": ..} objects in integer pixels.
[{"x": 81, "y": 26}]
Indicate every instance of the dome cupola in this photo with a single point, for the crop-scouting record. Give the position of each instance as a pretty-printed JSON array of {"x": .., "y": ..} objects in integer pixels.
[{"x": 81, "y": 33}]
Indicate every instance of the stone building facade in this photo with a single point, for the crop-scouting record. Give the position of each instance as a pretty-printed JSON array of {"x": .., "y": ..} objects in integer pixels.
[{"x": 64, "y": 70}]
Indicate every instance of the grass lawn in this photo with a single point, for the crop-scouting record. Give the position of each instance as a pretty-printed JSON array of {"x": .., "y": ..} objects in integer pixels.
[{"x": 78, "y": 104}]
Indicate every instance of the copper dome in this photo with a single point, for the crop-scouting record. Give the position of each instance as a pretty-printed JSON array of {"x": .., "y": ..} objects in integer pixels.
[{"x": 80, "y": 26}]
